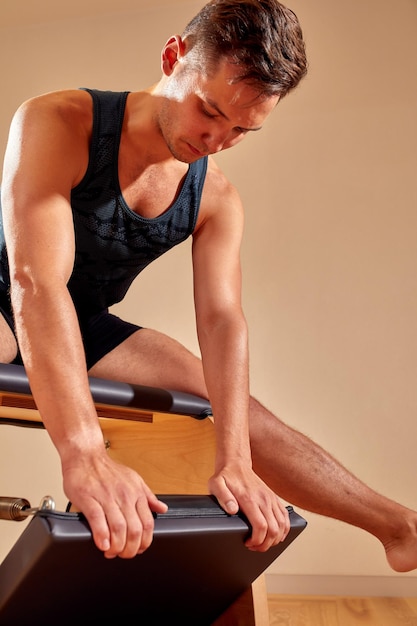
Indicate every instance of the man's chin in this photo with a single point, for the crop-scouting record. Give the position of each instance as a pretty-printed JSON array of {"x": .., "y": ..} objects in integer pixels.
[{"x": 185, "y": 158}]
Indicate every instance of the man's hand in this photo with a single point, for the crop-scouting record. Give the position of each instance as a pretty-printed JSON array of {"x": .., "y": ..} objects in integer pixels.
[
  {"x": 240, "y": 488},
  {"x": 116, "y": 501}
]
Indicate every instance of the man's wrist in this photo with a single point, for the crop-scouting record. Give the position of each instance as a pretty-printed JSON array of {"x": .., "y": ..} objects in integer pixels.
[{"x": 90, "y": 444}]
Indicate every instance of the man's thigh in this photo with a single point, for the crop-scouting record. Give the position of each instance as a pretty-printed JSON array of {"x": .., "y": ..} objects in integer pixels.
[{"x": 149, "y": 357}]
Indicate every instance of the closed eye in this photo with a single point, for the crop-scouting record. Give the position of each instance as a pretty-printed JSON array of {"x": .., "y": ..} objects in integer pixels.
[
  {"x": 218, "y": 113},
  {"x": 209, "y": 113}
]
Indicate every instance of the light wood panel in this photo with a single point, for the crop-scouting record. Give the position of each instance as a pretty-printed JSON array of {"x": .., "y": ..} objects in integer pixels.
[
  {"x": 172, "y": 453},
  {"x": 341, "y": 611}
]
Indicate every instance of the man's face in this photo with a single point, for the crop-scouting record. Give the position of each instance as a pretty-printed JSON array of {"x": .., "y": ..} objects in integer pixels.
[{"x": 203, "y": 114}]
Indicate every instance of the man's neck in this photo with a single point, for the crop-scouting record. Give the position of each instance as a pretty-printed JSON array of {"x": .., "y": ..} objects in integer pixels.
[{"x": 141, "y": 132}]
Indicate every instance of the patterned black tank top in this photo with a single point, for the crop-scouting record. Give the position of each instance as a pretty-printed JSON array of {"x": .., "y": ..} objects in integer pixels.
[{"x": 113, "y": 243}]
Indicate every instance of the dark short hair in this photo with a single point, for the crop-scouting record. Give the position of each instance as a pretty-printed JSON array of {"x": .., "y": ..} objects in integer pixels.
[{"x": 262, "y": 37}]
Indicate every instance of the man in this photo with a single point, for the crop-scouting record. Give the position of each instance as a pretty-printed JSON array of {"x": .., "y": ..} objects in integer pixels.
[{"x": 96, "y": 186}]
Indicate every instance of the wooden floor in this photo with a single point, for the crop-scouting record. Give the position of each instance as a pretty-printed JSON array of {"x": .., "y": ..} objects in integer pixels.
[{"x": 341, "y": 611}]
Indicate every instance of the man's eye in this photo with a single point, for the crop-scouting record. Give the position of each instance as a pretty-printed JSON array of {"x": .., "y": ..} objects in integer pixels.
[{"x": 208, "y": 113}]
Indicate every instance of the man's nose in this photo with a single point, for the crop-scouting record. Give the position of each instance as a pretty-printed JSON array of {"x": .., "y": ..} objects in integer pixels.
[{"x": 215, "y": 142}]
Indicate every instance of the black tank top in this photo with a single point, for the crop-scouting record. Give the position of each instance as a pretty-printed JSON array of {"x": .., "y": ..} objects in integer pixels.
[{"x": 113, "y": 243}]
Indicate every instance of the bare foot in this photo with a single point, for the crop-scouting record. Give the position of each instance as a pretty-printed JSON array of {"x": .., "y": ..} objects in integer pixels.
[{"x": 401, "y": 548}]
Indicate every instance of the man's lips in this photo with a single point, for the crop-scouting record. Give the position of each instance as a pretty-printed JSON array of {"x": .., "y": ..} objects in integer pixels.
[{"x": 195, "y": 150}]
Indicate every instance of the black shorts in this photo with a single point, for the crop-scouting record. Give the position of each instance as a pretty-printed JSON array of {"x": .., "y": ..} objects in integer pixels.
[
  {"x": 101, "y": 332},
  {"x": 6, "y": 312}
]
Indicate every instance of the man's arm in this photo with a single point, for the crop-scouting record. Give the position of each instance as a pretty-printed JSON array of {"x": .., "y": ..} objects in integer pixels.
[
  {"x": 47, "y": 155},
  {"x": 222, "y": 333}
]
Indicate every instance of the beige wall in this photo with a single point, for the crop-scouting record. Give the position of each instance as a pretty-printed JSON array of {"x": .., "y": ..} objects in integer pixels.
[{"x": 329, "y": 256}]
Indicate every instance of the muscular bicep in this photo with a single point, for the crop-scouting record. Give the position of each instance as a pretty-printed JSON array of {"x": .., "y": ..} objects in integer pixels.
[
  {"x": 216, "y": 258},
  {"x": 40, "y": 239},
  {"x": 40, "y": 168}
]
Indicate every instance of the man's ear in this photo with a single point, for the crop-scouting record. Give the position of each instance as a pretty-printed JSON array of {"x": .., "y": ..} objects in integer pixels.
[{"x": 172, "y": 52}]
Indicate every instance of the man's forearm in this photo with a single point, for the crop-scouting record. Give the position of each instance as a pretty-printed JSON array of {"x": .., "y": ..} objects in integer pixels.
[
  {"x": 226, "y": 369},
  {"x": 53, "y": 355}
]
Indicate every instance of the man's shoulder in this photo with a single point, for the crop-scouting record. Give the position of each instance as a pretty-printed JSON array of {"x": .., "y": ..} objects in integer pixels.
[
  {"x": 220, "y": 197},
  {"x": 217, "y": 186},
  {"x": 66, "y": 105},
  {"x": 55, "y": 128}
]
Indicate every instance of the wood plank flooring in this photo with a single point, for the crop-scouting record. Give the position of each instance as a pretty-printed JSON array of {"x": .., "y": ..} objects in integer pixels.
[{"x": 341, "y": 611}]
